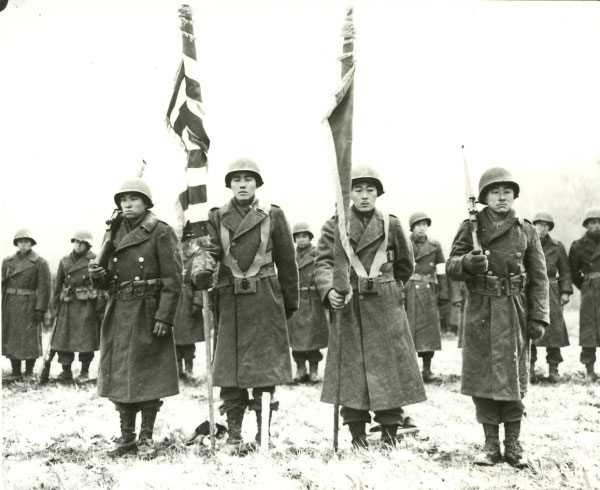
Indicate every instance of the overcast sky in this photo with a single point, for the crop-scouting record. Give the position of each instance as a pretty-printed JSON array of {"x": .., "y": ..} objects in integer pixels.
[{"x": 85, "y": 85}]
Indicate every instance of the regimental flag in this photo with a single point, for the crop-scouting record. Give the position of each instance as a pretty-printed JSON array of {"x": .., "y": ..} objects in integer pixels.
[
  {"x": 338, "y": 130},
  {"x": 185, "y": 116}
]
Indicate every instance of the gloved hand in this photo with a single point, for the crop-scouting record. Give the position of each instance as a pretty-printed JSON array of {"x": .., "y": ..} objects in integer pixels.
[
  {"x": 161, "y": 329},
  {"x": 337, "y": 300},
  {"x": 95, "y": 271},
  {"x": 203, "y": 279},
  {"x": 475, "y": 263},
  {"x": 38, "y": 316},
  {"x": 289, "y": 313},
  {"x": 564, "y": 299},
  {"x": 442, "y": 302},
  {"x": 535, "y": 329}
]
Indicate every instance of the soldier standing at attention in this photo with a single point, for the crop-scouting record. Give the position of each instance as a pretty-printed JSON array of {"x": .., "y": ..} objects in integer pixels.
[
  {"x": 137, "y": 351},
  {"x": 561, "y": 289},
  {"x": 507, "y": 305},
  {"x": 75, "y": 301},
  {"x": 426, "y": 290},
  {"x": 189, "y": 322},
  {"x": 25, "y": 298},
  {"x": 256, "y": 290},
  {"x": 379, "y": 368},
  {"x": 584, "y": 259},
  {"x": 309, "y": 327}
]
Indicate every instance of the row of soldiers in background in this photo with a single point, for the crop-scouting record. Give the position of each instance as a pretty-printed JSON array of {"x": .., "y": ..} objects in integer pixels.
[{"x": 253, "y": 299}]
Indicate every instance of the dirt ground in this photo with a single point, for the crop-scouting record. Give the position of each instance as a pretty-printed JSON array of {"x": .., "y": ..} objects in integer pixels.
[{"x": 55, "y": 437}]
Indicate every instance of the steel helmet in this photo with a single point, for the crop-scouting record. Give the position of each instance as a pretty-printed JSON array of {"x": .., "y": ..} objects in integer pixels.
[
  {"x": 495, "y": 176},
  {"x": 366, "y": 172},
  {"x": 302, "y": 228},
  {"x": 134, "y": 185},
  {"x": 544, "y": 216},
  {"x": 592, "y": 213},
  {"x": 416, "y": 217},
  {"x": 243, "y": 165},
  {"x": 82, "y": 236},
  {"x": 23, "y": 233}
]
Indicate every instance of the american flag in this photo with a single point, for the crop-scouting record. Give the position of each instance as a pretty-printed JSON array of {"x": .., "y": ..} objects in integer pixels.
[
  {"x": 337, "y": 125},
  {"x": 185, "y": 116}
]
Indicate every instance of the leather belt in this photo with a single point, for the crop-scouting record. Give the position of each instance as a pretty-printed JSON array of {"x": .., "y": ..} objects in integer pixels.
[
  {"x": 592, "y": 275},
  {"x": 20, "y": 292},
  {"x": 309, "y": 288},
  {"x": 497, "y": 286},
  {"x": 382, "y": 279},
  {"x": 229, "y": 280},
  {"x": 423, "y": 278},
  {"x": 129, "y": 290}
]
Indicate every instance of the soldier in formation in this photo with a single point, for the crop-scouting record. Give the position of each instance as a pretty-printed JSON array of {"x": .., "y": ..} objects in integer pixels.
[
  {"x": 584, "y": 259},
  {"x": 25, "y": 298},
  {"x": 189, "y": 322},
  {"x": 426, "y": 290},
  {"x": 507, "y": 306},
  {"x": 309, "y": 327},
  {"x": 256, "y": 291},
  {"x": 75, "y": 303},
  {"x": 378, "y": 366},
  {"x": 137, "y": 351},
  {"x": 561, "y": 289}
]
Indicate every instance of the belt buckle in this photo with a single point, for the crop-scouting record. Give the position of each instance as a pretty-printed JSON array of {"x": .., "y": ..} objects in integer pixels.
[
  {"x": 368, "y": 285},
  {"x": 244, "y": 285}
]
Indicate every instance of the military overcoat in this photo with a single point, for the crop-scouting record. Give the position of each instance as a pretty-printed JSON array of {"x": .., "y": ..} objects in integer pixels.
[
  {"x": 189, "y": 322},
  {"x": 309, "y": 327},
  {"x": 25, "y": 288},
  {"x": 559, "y": 275},
  {"x": 495, "y": 338},
  {"x": 135, "y": 365},
  {"x": 584, "y": 259},
  {"x": 379, "y": 368},
  {"x": 75, "y": 300},
  {"x": 458, "y": 299},
  {"x": 423, "y": 290},
  {"x": 252, "y": 347}
]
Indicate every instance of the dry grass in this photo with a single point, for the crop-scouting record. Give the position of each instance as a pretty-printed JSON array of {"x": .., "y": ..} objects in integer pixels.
[{"x": 55, "y": 438}]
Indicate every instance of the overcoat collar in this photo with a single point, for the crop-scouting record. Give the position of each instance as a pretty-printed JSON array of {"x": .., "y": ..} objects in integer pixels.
[
  {"x": 18, "y": 265},
  {"x": 361, "y": 236},
  {"x": 307, "y": 259},
  {"x": 489, "y": 232},
  {"x": 232, "y": 220},
  {"x": 591, "y": 245},
  {"x": 140, "y": 233},
  {"x": 70, "y": 264},
  {"x": 422, "y": 248}
]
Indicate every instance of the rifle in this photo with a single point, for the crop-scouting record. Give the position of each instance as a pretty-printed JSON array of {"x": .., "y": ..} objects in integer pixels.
[
  {"x": 49, "y": 355},
  {"x": 471, "y": 199},
  {"x": 108, "y": 246}
]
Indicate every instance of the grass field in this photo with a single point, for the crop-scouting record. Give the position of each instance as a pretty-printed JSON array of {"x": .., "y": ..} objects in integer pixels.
[{"x": 55, "y": 437}]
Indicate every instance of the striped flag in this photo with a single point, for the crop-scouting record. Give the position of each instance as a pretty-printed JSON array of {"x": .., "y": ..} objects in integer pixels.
[
  {"x": 185, "y": 116},
  {"x": 337, "y": 125}
]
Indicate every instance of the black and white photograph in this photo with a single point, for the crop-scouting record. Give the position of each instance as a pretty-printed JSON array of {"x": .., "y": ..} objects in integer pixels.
[{"x": 300, "y": 244}]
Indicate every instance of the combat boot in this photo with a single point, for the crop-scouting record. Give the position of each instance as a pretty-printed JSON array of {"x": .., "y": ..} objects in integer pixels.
[
  {"x": 126, "y": 443},
  {"x": 553, "y": 376},
  {"x": 490, "y": 454},
  {"x": 313, "y": 376},
  {"x": 428, "y": 376},
  {"x": 16, "y": 370},
  {"x": 234, "y": 443},
  {"x": 301, "y": 375},
  {"x": 146, "y": 449},
  {"x": 67, "y": 375},
  {"x": 84, "y": 374},
  {"x": 189, "y": 369},
  {"x": 359, "y": 437},
  {"x": 591, "y": 374},
  {"x": 29, "y": 365},
  {"x": 513, "y": 452},
  {"x": 389, "y": 435}
]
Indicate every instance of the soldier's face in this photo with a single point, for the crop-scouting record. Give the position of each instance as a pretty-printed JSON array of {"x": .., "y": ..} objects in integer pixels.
[
  {"x": 420, "y": 228},
  {"x": 302, "y": 239},
  {"x": 133, "y": 205},
  {"x": 364, "y": 196},
  {"x": 243, "y": 186},
  {"x": 593, "y": 226},
  {"x": 79, "y": 246},
  {"x": 500, "y": 199},
  {"x": 24, "y": 245},
  {"x": 542, "y": 228}
]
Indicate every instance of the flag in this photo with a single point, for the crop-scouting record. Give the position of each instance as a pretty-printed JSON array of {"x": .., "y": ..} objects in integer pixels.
[
  {"x": 185, "y": 116},
  {"x": 337, "y": 125}
]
